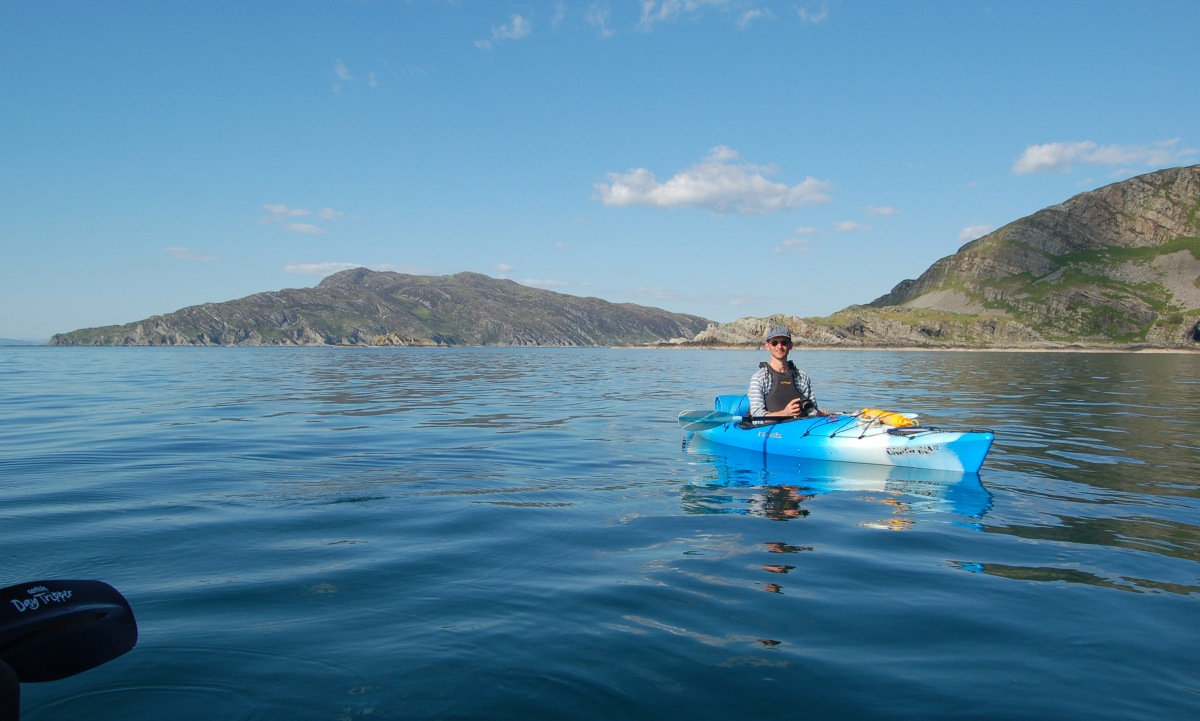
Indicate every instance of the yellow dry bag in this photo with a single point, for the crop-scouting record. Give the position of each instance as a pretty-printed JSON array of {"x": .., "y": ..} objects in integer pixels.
[{"x": 888, "y": 418}]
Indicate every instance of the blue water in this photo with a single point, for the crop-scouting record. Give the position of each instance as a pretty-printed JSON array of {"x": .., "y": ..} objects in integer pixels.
[{"x": 516, "y": 534}]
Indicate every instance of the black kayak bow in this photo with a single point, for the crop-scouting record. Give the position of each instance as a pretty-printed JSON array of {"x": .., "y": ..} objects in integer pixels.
[{"x": 54, "y": 629}]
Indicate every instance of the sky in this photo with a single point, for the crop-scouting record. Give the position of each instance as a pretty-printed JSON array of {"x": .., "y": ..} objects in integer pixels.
[{"x": 724, "y": 158}]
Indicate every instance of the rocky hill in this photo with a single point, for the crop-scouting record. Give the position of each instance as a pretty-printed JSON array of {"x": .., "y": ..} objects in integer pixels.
[
  {"x": 363, "y": 307},
  {"x": 1119, "y": 265}
]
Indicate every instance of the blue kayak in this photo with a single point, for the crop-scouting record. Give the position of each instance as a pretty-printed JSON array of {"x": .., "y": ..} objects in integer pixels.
[
  {"x": 844, "y": 438},
  {"x": 785, "y": 480}
]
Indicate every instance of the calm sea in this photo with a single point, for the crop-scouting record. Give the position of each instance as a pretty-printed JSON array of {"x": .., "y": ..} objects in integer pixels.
[{"x": 522, "y": 534}]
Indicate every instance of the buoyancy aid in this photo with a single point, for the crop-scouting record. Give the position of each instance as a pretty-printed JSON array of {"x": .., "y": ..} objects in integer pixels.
[{"x": 783, "y": 387}]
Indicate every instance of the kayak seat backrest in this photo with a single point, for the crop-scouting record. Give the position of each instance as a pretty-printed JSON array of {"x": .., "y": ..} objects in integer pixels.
[{"x": 737, "y": 405}]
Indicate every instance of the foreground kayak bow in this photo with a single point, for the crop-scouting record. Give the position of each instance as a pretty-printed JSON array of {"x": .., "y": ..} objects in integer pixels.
[{"x": 50, "y": 630}]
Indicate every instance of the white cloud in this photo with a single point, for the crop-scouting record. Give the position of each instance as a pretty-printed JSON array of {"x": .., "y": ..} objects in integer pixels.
[
  {"x": 973, "y": 232},
  {"x": 187, "y": 255},
  {"x": 597, "y": 15},
  {"x": 306, "y": 228},
  {"x": 324, "y": 269},
  {"x": 318, "y": 268},
  {"x": 753, "y": 14},
  {"x": 850, "y": 226},
  {"x": 536, "y": 283},
  {"x": 721, "y": 183},
  {"x": 800, "y": 242},
  {"x": 344, "y": 76},
  {"x": 813, "y": 17},
  {"x": 1061, "y": 157},
  {"x": 793, "y": 245},
  {"x": 517, "y": 28},
  {"x": 279, "y": 213},
  {"x": 655, "y": 11},
  {"x": 885, "y": 210}
]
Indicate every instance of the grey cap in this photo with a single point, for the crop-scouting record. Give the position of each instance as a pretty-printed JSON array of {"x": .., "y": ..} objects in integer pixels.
[{"x": 777, "y": 331}]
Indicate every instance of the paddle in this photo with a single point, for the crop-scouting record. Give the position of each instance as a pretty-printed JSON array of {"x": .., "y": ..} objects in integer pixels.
[
  {"x": 703, "y": 420},
  {"x": 55, "y": 629}
]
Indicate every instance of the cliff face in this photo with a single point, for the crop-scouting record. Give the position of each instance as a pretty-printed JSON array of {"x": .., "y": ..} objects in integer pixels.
[
  {"x": 1117, "y": 265},
  {"x": 363, "y": 307}
]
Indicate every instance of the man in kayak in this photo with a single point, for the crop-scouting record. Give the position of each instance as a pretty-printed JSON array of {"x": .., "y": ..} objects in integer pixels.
[{"x": 779, "y": 388}]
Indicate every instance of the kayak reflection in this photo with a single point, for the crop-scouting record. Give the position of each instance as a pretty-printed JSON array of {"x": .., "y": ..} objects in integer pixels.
[{"x": 779, "y": 486}]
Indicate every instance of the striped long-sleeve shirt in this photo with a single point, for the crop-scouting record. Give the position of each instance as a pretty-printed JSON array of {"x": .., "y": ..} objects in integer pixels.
[{"x": 760, "y": 386}]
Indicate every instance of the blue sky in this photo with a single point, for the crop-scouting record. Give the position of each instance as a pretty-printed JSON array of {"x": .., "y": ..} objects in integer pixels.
[{"x": 726, "y": 158}]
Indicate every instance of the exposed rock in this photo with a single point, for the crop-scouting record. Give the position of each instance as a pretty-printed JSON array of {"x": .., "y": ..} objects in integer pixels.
[{"x": 1117, "y": 265}]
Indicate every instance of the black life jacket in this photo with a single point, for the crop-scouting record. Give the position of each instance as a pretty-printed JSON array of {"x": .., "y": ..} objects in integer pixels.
[{"x": 783, "y": 387}]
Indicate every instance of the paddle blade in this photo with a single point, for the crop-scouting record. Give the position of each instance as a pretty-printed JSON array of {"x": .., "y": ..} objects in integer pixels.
[
  {"x": 703, "y": 420},
  {"x": 55, "y": 629}
]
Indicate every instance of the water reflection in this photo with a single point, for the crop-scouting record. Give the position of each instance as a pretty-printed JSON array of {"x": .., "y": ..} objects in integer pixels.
[
  {"x": 1051, "y": 574},
  {"x": 732, "y": 480},
  {"x": 1111, "y": 420}
]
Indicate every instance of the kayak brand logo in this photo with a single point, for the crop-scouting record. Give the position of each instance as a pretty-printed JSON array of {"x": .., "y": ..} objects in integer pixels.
[
  {"x": 766, "y": 434},
  {"x": 913, "y": 450},
  {"x": 39, "y": 596}
]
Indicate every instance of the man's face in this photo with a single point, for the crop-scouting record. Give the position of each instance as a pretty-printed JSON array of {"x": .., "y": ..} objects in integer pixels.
[{"x": 778, "y": 347}]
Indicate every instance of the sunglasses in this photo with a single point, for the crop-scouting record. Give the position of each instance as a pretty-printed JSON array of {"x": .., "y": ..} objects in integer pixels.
[{"x": 779, "y": 342}]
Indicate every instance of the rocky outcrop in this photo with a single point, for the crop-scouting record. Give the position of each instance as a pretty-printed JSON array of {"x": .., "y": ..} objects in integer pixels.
[
  {"x": 1117, "y": 265},
  {"x": 361, "y": 307}
]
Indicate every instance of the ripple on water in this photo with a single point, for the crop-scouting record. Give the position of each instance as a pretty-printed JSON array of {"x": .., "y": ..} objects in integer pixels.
[{"x": 228, "y": 683}]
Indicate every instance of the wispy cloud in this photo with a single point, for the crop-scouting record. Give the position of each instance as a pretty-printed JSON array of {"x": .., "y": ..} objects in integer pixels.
[
  {"x": 1062, "y": 157},
  {"x": 517, "y": 28},
  {"x": 800, "y": 242},
  {"x": 190, "y": 256},
  {"x": 540, "y": 283},
  {"x": 973, "y": 232},
  {"x": 721, "y": 183},
  {"x": 812, "y": 16},
  {"x": 505, "y": 271},
  {"x": 752, "y": 15},
  {"x": 306, "y": 228},
  {"x": 318, "y": 268},
  {"x": 344, "y": 77},
  {"x": 656, "y": 11},
  {"x": 850, "y": 226},
  {"x": 597, "y": 15},
  {"x": 885, "y": 210},
  {"x": 323, "y": 269},
  {"x": 279, "y": 213}
]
